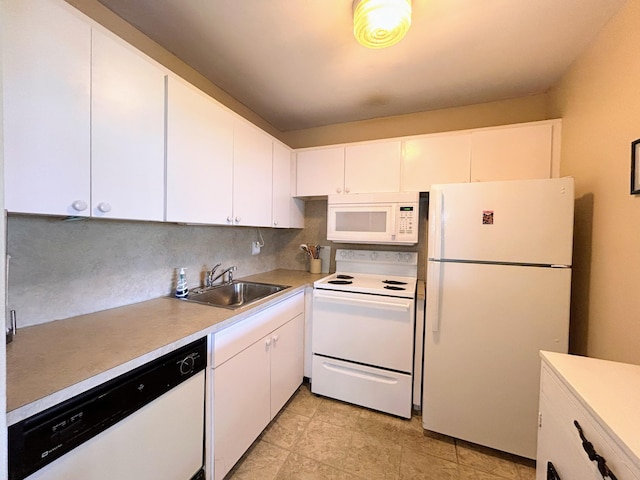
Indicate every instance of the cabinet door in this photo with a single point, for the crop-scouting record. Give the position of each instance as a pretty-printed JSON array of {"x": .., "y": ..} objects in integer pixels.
[
  {"x": 127, "y": 132},
  {"x": 320, "y": 172},
  {"x": 199, "y": 157},
  {"x": 240, "y": 404},
  {"x": 372, "y": 168},
  {"x": 46, "y": 77},
  {"x": 435, "y": 159},
  {"x": 513, "y": 153},
  {"x": 287, "y": 211},
  {"x": 287, "y": 361},
  {"x": 252, "y": 173}
]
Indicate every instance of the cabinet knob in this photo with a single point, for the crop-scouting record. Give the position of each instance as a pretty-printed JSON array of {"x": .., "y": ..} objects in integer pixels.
[
  {"x": 79, "y": 205},
  {"x": 267, "y": 342},
  {"x": 338, "y": 190},
  {"x": 275, "y": 222},
  {"x": 238, "y": 219},
  {"x": 104, "y": 207},
  {"x": 347, "y": 189},
  {"x": 275, "y": 338}
]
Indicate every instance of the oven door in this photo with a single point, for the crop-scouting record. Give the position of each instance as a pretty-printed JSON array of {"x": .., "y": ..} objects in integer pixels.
[
  {"x": 374, "y": 330},
  {"x": 373, "y": 223}
]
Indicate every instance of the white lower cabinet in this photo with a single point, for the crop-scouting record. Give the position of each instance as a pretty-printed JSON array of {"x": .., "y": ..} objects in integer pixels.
[
  {"x": 257, "y": 367},
  {"x": 580, "y": 395}
]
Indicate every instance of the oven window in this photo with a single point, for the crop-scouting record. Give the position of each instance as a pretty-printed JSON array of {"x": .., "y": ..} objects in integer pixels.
[{"x": 361, "y": 221}]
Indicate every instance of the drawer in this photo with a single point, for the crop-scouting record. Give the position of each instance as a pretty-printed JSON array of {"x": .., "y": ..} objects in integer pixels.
[
  {"x": 559, "y": 439},
  {"x": 234, "y": 339},
  {"x": 370, "y": 387}
]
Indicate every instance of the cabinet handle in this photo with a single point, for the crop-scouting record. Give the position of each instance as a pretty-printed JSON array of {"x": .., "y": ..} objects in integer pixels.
[
  {"x": 593, "y": 455},
  {"x": 104, "y": 207},
  {"x": 267, "y": 342},
  {"x": 275, "y": 339},
  {"x": 79, "y": 205}
]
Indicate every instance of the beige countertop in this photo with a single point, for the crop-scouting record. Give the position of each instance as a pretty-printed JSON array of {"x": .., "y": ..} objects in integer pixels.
[{"x": 52, "y": 362}]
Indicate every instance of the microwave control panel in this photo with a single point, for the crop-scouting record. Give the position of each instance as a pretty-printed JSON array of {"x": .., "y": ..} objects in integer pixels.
[{"x": 406, "y": 220}]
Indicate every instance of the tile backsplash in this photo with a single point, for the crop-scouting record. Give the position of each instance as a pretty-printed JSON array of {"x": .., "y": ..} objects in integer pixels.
[{"x": 61, "y": 268}]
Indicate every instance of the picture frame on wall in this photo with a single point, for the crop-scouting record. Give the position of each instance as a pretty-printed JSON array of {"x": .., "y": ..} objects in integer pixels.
[{"x": 635, "y": 167}]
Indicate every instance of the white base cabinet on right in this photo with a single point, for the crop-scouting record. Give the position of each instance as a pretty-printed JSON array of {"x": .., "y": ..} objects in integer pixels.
[{"x": 589, "y": 420}]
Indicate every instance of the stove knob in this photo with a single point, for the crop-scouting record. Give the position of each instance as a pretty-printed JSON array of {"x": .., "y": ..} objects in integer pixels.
[
  {"x": 351, "y": 254},
  {"x": 343, "y": 253}
]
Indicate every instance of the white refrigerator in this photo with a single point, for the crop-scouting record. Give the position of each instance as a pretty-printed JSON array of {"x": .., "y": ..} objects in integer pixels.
[{"x": 498, "y": 292}]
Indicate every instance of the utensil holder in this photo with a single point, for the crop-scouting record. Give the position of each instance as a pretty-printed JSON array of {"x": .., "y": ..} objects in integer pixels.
[{"x": 315, "y": 265}]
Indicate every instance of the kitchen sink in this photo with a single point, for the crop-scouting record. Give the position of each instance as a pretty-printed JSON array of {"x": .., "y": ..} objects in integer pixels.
[{"x": 233, "y": 295}]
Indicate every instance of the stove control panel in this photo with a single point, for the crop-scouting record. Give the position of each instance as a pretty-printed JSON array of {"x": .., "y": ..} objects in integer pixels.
[{"x": 376, "y": 256}]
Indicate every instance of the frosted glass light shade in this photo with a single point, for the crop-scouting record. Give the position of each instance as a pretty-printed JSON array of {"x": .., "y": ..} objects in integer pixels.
[{"x": 381, "y": 23}]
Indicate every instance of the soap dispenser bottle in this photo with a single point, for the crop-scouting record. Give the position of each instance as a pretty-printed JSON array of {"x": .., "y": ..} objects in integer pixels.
[{"x": 182, "y": 291}]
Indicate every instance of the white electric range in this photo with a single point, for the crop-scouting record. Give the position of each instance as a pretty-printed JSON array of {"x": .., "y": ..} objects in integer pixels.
[{"x": 363, "y": 330}]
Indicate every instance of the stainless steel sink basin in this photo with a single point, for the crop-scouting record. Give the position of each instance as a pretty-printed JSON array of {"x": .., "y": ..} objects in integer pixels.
[{"x": 233, "y": 295}]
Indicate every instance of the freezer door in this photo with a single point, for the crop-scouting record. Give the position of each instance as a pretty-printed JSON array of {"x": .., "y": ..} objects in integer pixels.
[
  {"x": 527, "y": 221},
  {"x": 485, "y": 325}
]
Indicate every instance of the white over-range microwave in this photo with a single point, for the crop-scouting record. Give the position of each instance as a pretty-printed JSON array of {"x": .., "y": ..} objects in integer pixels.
[{"x": 385, "y": 218}]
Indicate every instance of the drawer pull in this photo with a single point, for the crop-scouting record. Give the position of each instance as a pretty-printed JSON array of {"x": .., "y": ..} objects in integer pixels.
[
  {"x": 593, "y": 455},
  {"x": 551, "y": 472}
]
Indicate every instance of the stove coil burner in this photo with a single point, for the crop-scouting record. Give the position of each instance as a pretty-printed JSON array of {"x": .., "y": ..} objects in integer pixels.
[
  {"x": 393, "y": 287},
  {"x": 394, "y": 282},
  {"x": 340, "y": 282},
  {"x": 344, "y": 277}
]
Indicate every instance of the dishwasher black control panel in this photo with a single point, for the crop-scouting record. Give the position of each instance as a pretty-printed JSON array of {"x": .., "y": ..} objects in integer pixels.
[{"x": 46, "y": 436}]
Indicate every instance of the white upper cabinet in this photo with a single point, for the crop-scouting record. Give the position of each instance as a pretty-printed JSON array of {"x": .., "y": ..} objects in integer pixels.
[
  {"x": 288, "y": 212},
  {"x": 435, "y": 159},
  {"x": 372, "y": 167},
  {"x": 362, "y": 168},
  {"x": 127, "y": 132},
  {"x": 252, "y": 174},
  {"x": 516, "y": 152},
  {"x": 199, "y": 157},
  {"x": 46, "y": 76},
  {"x": 320, "y": 172}
]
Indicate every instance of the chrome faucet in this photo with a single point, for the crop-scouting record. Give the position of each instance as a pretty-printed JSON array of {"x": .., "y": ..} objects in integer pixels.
[{"x": 211, "y": 279}]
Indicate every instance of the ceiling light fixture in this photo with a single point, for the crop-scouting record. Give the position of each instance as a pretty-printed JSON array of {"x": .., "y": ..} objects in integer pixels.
[{"x": 381, "y": 23}]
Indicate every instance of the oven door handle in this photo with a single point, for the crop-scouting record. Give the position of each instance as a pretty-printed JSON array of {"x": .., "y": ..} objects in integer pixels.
[{"x": 397, "y": 304}]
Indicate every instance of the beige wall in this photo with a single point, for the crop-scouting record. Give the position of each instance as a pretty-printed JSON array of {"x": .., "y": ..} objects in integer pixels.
[
  {"x": 599, "y": 101},
  {"x": 525, "y": 109}
]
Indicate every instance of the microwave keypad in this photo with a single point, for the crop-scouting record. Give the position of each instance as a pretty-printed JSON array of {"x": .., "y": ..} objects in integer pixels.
[{"x": 406, "y": 221}]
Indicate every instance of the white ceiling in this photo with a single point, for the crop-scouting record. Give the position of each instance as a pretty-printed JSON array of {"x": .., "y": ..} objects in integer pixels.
[{"x": 296, "y": 63}]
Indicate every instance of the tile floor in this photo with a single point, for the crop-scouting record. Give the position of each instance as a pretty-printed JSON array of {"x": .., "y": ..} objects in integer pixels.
[{"x": 316, "y": 438}]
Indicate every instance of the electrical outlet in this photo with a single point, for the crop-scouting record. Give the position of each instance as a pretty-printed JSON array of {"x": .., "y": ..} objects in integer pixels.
[{"x": 255, "y": 248}]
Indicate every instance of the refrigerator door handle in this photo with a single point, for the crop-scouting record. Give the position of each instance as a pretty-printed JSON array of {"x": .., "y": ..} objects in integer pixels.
[
  {"x": 436, "y": 224},
  {"x": 433, "y": 295}
]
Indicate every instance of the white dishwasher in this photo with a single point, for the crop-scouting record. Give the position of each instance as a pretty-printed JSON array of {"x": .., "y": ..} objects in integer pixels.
[{"x": 145, "y": 424}]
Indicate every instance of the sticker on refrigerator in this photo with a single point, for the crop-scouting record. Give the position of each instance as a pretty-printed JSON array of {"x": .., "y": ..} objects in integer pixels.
[{"x": 487, "y": 217}]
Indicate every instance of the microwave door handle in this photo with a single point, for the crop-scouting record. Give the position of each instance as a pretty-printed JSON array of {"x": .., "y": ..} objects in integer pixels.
[{"x": 393, "y": 230}]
